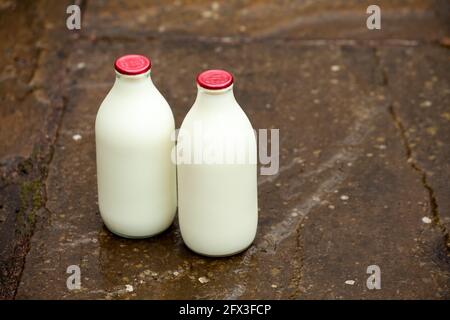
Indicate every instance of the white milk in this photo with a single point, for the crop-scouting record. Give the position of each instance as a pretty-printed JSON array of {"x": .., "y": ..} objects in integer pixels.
[
  {"x": 217, "y": 208},
  {"x": 135, "y": 174}
]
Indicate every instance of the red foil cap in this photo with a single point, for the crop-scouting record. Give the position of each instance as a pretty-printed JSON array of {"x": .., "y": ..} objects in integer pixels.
[
  {"x": 215, "y": 79},
  {"x": 132, "y": 64}
]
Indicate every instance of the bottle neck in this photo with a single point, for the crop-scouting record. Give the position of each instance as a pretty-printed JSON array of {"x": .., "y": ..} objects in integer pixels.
[
  {"x": 208, "y": 98},
  {"x": 133, "y": 82}
]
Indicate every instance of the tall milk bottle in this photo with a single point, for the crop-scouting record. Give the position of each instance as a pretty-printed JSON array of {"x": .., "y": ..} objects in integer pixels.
[
  {"x": 136, "y": 177},
  {"x": 217, "y": 174}
]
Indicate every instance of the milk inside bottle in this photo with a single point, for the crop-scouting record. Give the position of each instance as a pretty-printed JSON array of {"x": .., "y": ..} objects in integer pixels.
[
  {"x": 136, "y": 177},
  {"x": 217, "y": 173}
]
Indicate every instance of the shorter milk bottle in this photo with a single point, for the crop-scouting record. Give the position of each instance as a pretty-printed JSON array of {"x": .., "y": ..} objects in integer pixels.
[{"x": 217, "y": 174}]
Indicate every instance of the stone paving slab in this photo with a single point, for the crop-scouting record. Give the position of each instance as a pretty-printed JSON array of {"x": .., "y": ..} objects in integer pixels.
[{"x": 363, "y": 136}]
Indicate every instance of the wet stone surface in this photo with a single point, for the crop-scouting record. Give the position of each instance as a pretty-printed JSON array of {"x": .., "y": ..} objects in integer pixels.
[{"x": 364, "y": 171}]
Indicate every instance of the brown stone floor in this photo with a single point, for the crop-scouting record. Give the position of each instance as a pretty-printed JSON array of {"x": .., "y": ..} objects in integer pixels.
[{"x": 363, "y": 114}]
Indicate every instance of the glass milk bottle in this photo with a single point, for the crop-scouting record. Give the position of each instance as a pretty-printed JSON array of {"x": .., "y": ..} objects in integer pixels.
[
  {"x": 136, "y": 177},
  {"x": 217, "y": 173}
]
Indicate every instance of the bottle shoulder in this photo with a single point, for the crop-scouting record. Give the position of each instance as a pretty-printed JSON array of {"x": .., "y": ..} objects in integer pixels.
[
  {"x": 139, "y": 112},
  {"x": 219, "y": 117}
]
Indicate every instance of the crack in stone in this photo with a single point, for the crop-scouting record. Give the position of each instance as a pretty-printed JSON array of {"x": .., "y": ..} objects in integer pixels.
[
  {"x": 299, "y": 264},
  {"x": 52, "y": 151},
  {"x": 44, "y": 153},
  {"x": 434, "y": 207},
  {"x": 123, "y": 35},
  {"x": 42, "y": 160}
]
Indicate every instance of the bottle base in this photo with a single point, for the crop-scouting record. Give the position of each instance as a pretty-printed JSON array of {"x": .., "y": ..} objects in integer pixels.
[
  {"x": 122, "y": 235},
  {"x": 220, "y": 255}
]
